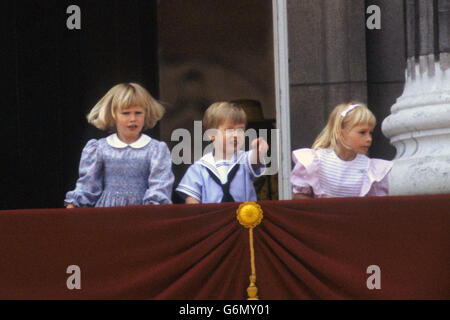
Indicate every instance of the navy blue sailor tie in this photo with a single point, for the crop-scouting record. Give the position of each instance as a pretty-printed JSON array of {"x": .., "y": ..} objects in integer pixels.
[{"x": 227, "y": 197}]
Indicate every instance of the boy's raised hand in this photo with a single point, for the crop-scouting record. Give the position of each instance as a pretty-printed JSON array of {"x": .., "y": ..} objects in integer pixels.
[{"x": 260, "y": 148}]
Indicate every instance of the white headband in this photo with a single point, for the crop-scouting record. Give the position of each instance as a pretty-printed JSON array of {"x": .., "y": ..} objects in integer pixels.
[{"x": 348, "y": 109}]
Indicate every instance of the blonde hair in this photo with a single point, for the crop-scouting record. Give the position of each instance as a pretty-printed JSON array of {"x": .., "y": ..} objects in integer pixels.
[
  {"x": 345, "y": 115},
  {"x": 123, "y": 96},
  {"x": 220, "y": 112}
]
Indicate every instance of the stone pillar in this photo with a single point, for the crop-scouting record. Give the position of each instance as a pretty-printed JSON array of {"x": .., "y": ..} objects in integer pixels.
[{"x": 419, "y": 124}]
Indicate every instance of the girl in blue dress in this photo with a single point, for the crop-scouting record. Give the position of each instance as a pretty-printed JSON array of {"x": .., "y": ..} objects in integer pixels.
[{"x": 127, "y": 167}]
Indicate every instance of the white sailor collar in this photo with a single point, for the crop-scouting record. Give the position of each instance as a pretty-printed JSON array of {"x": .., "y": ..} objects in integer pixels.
[
  {"x": 114, "y": 141},
  {"x": 208, "y": 161}
]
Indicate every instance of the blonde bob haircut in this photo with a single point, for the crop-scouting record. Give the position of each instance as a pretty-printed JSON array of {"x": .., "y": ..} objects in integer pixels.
[
  {"x": 345, "y": 115},
  {"x": 220, "y": 112},
  {"x": 120, "y": 97}
]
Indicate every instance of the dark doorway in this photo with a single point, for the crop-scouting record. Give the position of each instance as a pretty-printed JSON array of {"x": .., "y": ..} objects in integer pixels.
[
  {"x": 53, "y": 76},
  {"x": 214, "y": 50}
]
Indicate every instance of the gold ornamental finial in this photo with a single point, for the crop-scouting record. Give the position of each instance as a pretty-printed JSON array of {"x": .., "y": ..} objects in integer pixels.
[{"x": 250, "y": 214}]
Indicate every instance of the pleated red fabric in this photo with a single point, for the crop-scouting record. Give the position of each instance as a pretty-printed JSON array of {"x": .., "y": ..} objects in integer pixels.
[{"x": 304, "y": 249}]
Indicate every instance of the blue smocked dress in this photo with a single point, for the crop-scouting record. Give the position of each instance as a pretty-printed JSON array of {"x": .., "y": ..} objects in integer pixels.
[{"x": 113, "y": 173}]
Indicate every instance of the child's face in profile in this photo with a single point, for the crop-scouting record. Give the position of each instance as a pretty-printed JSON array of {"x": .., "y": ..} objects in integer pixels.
[
  {"x": 358, "y": 138},
  {"x": 129, "y": 123},
  {"x": 229, "y": 138}
]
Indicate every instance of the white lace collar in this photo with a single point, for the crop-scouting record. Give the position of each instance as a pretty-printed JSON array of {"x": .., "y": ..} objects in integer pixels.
[{"x": 114, "y": 141}]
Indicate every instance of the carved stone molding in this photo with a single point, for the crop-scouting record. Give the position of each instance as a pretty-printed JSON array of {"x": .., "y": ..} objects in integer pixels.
[{"x": 419, "y": 128}]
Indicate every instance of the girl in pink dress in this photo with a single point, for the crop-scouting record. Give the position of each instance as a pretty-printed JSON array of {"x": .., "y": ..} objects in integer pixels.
[{"x": 337, "y": 165}]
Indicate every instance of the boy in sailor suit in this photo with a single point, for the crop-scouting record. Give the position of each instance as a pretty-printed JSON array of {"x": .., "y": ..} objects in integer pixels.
[{"x": 227, "y": 173}]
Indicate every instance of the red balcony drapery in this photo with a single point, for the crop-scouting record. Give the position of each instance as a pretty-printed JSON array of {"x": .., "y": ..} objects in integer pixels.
[{"x": 310, "y": 249}]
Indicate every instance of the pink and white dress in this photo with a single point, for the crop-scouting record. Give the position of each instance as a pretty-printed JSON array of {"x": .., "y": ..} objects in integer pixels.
[{"x": 321, "y": 173}]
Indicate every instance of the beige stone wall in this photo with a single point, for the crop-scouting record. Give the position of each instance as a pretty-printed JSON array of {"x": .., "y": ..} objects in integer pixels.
[
  {"x": 327, "y": 62},
  {"x": 386, "y": 63}
]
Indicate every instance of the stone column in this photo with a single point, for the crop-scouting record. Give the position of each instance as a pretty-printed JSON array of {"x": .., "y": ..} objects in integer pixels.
[{"x": 419, "y": 124}]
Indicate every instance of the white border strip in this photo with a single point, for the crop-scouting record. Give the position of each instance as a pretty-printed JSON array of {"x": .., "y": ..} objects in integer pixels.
[{"x": 281, "y": 56}]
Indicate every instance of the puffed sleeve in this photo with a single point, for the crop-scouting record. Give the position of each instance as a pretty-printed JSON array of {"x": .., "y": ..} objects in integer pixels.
[
  {"x": 89, "y": 185},
  {"x": 191, "y": 184},
  {"x": 304, "y": 176},
  {"x": 161, "y": 178},
  {"x": 378, "y": 178}
]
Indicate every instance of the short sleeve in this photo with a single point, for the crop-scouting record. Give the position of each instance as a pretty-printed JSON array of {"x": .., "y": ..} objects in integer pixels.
[
  {"x": 161, "y": 178},
  {"x": 89, "y": 185},
  {"x": 380, "y": 188},
  {"x": 304, "y": 175},
  {"x": 191, "y": 184},
  {"x": 378, "y": 178}
]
